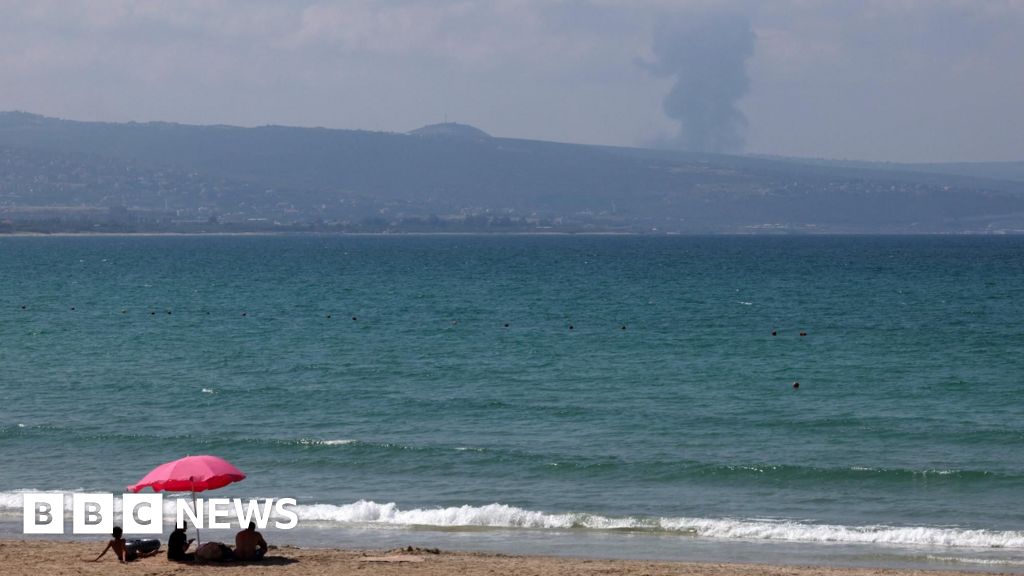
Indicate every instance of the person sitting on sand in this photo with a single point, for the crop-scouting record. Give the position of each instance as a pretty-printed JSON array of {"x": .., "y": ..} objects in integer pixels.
[
  {"x": 249, "y": 544},
  {"x": 178, "y": 543},
  {"x": 123, "y": 552}
]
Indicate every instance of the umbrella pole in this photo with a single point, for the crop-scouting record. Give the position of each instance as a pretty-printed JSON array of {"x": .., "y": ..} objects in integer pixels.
[{"x": 196, "y": 510}]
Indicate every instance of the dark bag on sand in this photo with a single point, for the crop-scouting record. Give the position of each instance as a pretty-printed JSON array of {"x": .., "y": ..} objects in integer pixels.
[{"x": 214, "y": 552}]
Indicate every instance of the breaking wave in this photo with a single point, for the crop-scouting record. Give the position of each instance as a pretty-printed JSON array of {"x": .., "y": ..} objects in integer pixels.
[{"x": 505, "y": 516}]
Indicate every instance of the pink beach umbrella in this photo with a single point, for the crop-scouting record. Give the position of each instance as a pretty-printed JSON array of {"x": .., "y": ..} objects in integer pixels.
[{"x": 191, "y": 473}]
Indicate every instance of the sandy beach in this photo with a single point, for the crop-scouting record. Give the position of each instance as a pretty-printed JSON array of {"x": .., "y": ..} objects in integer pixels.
[{"x": 37, "y": 558}]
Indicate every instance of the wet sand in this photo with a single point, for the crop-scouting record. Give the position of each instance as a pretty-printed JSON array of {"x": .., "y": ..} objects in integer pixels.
[{"x": 45, "y": 558}]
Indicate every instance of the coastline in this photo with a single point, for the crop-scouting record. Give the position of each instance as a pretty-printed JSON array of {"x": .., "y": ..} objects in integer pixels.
[
  {"x": 299, "y": 233},
  {"x": 33, "y": 557},
  {"x": 525, "y": 233}
]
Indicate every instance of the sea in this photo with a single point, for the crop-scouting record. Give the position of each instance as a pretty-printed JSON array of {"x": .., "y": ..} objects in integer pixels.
[{"x": 592, "y": 396}]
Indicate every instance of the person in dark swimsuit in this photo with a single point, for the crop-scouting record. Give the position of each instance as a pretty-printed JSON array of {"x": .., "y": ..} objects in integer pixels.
[
  {"x": 178, "y": 543},
  {"x": 123, "y": 552}
]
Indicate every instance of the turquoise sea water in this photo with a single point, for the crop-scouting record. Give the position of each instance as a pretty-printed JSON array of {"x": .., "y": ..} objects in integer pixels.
[{"x": 618, "y": 396}]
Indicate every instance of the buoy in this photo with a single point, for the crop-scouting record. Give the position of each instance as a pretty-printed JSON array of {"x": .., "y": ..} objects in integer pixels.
[
  {"x": 244, "y": 313},
  {"x": 354, "y": 318},
  {"x": 796, "y": 385},
  {"x": 571, "y": 327},
  {"x": 328, "y": 316},
  {"x": 506, "y": 324},
  {"x": 623, "y": 327},
  {"x": 775, "y": 333}
]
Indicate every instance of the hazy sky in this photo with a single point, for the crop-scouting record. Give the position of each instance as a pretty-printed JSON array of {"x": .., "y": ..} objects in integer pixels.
[{"x": 902, "y": 80}]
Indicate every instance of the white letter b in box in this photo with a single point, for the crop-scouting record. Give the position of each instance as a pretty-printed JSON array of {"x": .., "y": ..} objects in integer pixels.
[
  {"x": 92, "y": 513},
  {"x": 43, "y": 513}
]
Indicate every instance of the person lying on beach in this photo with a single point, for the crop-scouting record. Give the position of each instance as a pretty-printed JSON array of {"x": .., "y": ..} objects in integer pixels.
[
  {"x": 249, "y": 544},
  {"x": 178, "y": 543},
  {"x": 123, "y": 552}
]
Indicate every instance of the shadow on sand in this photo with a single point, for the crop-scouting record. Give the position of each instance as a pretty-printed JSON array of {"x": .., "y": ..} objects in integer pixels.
[{"x": 266, "y": 561}]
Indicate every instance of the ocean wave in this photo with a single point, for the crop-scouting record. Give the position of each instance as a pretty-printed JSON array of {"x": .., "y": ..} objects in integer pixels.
[
  {"x": 560, "y": 464},
  {"x": 11, "y": 501},
  {"x": 504, "y": 516},
  {"x": 786, "y": 471},
  {"x": 319, "y": 442},
  {"x": 73, "y": 434},
  {"x": 977, "y": 561}
]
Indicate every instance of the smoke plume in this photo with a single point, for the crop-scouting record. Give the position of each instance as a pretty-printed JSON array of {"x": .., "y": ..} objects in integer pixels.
[{"x": 706, "y": 54}]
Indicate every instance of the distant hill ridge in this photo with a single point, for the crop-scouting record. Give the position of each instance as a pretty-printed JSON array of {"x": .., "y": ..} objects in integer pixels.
[
  {"x": 451, "y": 130},
  {"x": 446, "y": 172}
]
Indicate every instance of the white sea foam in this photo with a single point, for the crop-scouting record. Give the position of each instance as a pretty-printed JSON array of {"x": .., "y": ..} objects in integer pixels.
[
  {"x": 802, "y": 532},
  {"x": 207, "y": 390},
  {"x": 318, "y": 442},
  {"x": 14, "y": 501},
  {"x": 492, "y": 515},
  {"x": 981, "y": 561},
  {"x": 504, "y": 516},
  {"x": 10, "y": 501}
]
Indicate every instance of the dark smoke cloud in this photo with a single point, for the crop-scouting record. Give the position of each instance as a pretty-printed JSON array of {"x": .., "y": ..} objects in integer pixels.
[{"x": 706, "y": 54}]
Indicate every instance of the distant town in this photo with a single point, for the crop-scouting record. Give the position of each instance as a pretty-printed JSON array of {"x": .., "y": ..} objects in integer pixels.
[{"x": 59, "y": 176}]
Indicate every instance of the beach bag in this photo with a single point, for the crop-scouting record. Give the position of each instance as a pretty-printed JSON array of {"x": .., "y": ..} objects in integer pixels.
[{"x": 213, "y": 552}]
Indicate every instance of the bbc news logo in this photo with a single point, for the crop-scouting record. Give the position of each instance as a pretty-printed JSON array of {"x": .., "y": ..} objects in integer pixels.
[{"x": 43, "y": 513}]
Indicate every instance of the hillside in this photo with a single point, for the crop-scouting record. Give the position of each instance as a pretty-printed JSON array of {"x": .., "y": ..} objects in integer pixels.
[{"x": 454, "y": 177}]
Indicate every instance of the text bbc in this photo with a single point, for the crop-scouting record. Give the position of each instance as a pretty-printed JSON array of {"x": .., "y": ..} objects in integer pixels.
[{"x": 43, "y": 513}]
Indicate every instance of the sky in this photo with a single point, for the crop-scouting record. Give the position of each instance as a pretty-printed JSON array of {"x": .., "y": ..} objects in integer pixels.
[{"x": 889, "y": 80}]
